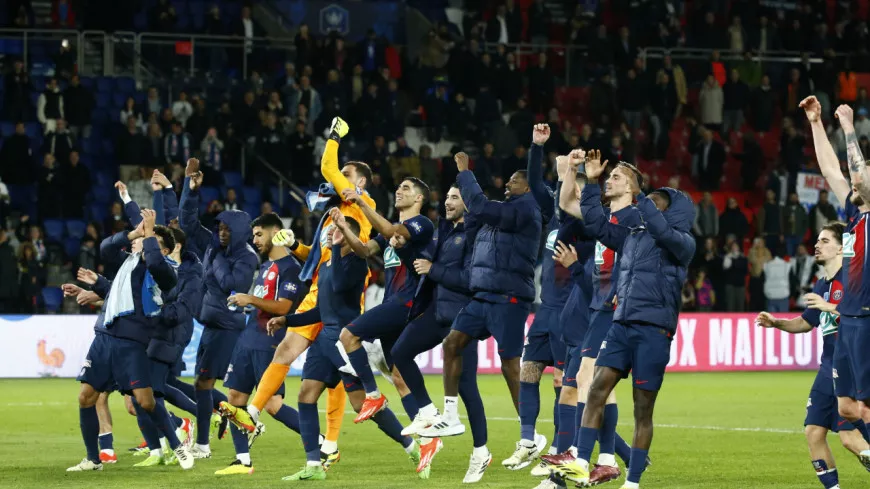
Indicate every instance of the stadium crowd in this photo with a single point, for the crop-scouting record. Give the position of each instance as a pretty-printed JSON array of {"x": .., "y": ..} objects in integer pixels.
[{"x": 727, "y": 126}]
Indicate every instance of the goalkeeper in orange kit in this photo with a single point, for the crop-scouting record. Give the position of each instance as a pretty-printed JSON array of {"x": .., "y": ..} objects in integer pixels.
[{"x": 354, "y": 176}]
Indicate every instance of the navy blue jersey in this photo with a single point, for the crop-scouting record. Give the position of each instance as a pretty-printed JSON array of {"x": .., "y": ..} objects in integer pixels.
[
  {"x": 555, "y": 279},
  {"x": 606, "y": 263},
  {"x": 339, "y": 285},
  {"x": 401, "y": 278},
  {"x": 277, "y": 279},
  {"x": 831, "y": 291},
  {"x": 855, "y": 274}
]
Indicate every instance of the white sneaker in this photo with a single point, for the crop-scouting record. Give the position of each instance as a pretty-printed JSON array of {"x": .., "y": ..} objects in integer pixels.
[
  {"x": 541, "y": 470},
  {"x": 443, "y": 426},
  {"x": 85, "y": 466},
  {"x": 476, "y": 467},
  {"x": 540, "y": 442},
  {"x": 522, "y": 457},
  {"x": 549, "y": 483},
  {"x": 252, "y": 437},
  {"x": 419, "y": 424},
  {"x": 184, "y": 457},
  {"x": 197, "y": 452}
]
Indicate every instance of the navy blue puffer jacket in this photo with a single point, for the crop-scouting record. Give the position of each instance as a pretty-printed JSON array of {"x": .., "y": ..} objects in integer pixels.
[
  {"x": 654, "y": 256},
  {"x": 506, "y": 246}
]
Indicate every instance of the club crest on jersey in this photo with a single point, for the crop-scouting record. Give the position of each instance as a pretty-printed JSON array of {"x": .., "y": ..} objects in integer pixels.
[
  {"x": 325, "y": 234},
  {"x": 391, "y": 259},
  {"x": 457, "y": 240},
  {"x": 599, "y": 253},
  {"x": 551, "y": 240},
  {"x": 416, "y": 226},
  {"x": 838, "y": 294},
  {"x": 271, "y": 276},
  {"x": 848, "y": 245},
  {"x": 290, "y": 287}
]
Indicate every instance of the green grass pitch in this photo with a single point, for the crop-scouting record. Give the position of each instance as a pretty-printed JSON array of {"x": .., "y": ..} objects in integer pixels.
[{"x": 725, "y": 430}]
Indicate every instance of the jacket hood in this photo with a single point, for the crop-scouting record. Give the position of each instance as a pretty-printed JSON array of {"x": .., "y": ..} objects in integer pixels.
[
  {"x": 681, "y": 213},
  {"x": 240, "y": 228},
  {"x": 189, "y": 260}
]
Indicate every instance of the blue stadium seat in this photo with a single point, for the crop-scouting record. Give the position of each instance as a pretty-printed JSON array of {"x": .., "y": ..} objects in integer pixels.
[
  {"x": 76, "y": 228},
  {"x": 140, "y": 98},
  {"x": 233, "y": 180},
  {"x": 71, "y": 247},
  {"x": 88, "y": 161},
  {"x": 33, "y": 130},
  {"x": 52, "y": 298},
  {"x": 88, "y": 147},
  {"x": 119, "y": 99},
  {"x": 208, "y": 194},
  {"x": 104, "y": 100},
  {"x": 105, "y": 84},
  {"x": 253, "y": 210},
  {"x": 54, "y": 230},
  {"x": 103, "y": 195},
  {"x": 88, "y": 83},
  {"x": 251, "y": 195},
  {"x": 108, "y": 147},
  {"x": 99, "y": 213},
  {"x": 99, "y": 117},
  {"x": 125, "y": 85},
  {"x": 23, "y": 198},
  {"x": 7, "y": 129},
  {"x": 38, "y": 83},
  {"x": 34, "y": 99},
  {"x": 102, "y": 179}
]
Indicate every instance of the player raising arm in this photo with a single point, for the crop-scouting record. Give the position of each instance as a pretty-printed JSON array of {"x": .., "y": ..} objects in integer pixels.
[{"x": 822, "y": 413}]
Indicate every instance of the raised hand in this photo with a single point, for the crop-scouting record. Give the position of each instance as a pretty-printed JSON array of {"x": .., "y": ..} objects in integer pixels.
[
  {"x": 844, "y": 114},
  {"x": 576, "y": 158},
  {"x": 86, "y": 276},
  {"x": 594, "y": 166},
  {"x": 192, "y": 167},
  {"x": 461, "y": 160},
  {"x": 196, "y": 180},
  {"x": 122, "y": 190},
  {"x": 812, "y": 108},
  {"x": 87, "y": 297},
  {"x": 148, "y": 219},
  {"x": 284, "y": 237},
  {"x": 71, "y": 290},
  {"x": 350, "y": 195},
  {"x": 540, "y": 134},
  {"x": 565, "y": 254},
  {"x": 337, "y": 217},
  {"x": 159, "y": 181}
]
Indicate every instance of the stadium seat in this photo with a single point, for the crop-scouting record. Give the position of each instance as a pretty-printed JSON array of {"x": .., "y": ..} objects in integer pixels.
[
  {"x": 23, "y": 198},
  {"x": 105, "y": 84},
  {"x": 251, "y": 195},
  {"x": 103, "y": 179},
  {"x": 71, "y": 247},
  {"x": 104, "y": 100},
  {"x": 7, "y": 129},
  {"x": 125, "y": 85},
  {"x": 108, "y": 147},
  {"x": 88, "y": 83},
  {"x": 54, "y": 230},
  {"x": 76, "y": 228},
  {"x": 208, "y": 194},
  {"x": 99, "y": 117},
  {"x": 52, "y": 298},
  {"x": 119, "y": 99},
  {"x": 98, "y": 212},
  {"x": 33, "y": 130},
  {"x": 253, "y": 210},
  {"x": 103, "y": 195},
  {"x": 233, "y": 180}
]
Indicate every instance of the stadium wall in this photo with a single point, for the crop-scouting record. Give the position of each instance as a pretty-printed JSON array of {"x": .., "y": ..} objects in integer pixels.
[{"x": 56, "y": 346}]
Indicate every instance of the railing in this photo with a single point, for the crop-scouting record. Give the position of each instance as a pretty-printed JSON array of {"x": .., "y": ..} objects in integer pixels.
[{"x": 292, "y": 189}]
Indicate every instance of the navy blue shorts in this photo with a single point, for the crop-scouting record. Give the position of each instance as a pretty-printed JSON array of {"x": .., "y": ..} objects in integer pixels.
[
  {"x": 572, "y": 362},
  {"x": 844, "y": 386},
  {"x": 420, "y": 335},
  {"x": 323, "y": 361},
  {"x": 215, "y": 351},
  {"x": 178, "y": 367},
  {"x": 854, "y": 339},
  {"x": 640, "y": 349},
  {"x": 116, "y": 363},
  {"x": 822, "y": 405},
  {"x": 383, "y": 322},
  {"x": 544, "y": 342},
  {"x": 246, "y": 369},
  {"x": 159, "y": 372},
  {"x": 506, "y": 322},
  {"x": 599, "y": 325}
]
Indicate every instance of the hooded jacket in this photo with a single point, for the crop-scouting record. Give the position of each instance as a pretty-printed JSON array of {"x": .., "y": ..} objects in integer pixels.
[
  {"x": 653, "y": 257},
  {"x": 174, "y": 327},
  {"x": 224, "y": 270},
  {"x": 447, "y": 282},
  {"x": 506, "y": 246}
]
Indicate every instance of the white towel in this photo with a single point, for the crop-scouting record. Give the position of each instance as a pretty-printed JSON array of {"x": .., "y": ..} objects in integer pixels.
[
  {"x": 377, "y": 360},
  {"x": 119, "y": 302}
]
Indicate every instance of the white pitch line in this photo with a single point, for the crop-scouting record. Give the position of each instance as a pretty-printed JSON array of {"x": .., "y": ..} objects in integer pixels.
[{"x": 786, "y": 431}]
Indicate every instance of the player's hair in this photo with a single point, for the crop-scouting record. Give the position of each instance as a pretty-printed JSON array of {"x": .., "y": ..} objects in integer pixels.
[
  {"x": 165, "y": 234},
  {"x": 837, "y": 229},
  {"x": 524, "y": 174},
  {"x": 179, "y": 236},
  {"x": 419, "y": 185},
  {"x": 455, "y": 185},
  {"x": 633, "y": 169},
  {"x": 363, "y": 169},
  {"x": 268, "y": 220},
  {"x": 353, "y": 225}
]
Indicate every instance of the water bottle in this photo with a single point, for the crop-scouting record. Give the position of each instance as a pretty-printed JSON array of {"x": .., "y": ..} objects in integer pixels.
[{"x": 232, "y": 307}]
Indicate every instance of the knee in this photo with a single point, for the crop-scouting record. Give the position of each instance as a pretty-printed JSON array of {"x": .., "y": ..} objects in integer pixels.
[
  {"x": 274, "y": 405},
  {"x": 204, "y": 384},
  {"x": 815, "y": 434},
  {"x": 146, "y": 401},
  {"x": 88, "y": 396},
  {"x": 450, "y": 345},
  {"x": 848, "y": 409},
  {"x": 128, "y": 403},
  {"x": 347, "y": 338},
  {"x": 557, "y": 379},
  {"x": 236, "y": 398}
]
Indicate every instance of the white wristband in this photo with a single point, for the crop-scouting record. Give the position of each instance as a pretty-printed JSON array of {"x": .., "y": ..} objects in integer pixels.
[{"x": 125, "y": 197}]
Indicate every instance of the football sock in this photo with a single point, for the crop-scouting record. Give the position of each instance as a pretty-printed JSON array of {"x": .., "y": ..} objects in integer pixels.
[
  {"x": 217, "y": 397},
  {"x": 862, "y": 428},
  {"x": 636, "y": 465},
  {"x": 204, "y": 409},
  {"x": 309, "y": 428},
  {"x": 179, "y": 399},
  {"x": 187, "y": 389},
  {"x": 240, "y": 441},
  {"x": 623, "y": 451},
  {"x": 588, "y": 437},
  {"x": 567, "y": 427},
  {"x": 389, "y": 424},
  {"x": 581, "y": 406},
  {"x": 89, "y": 423},
  {"x": 147, "y": 427},
  {"x": 164, "y": 424},
  {"x": 451, "y": 407},
  {"x": 288, "y": 416},
  {"x": 107, "y": 442},
  {"x": 359, "y": 359},
  {"x": 828, "y": 477},
  {"x": 414, "y": 380},
  {"x": 530, "y": 405},
  {"x": 470, "y": 394},
  {"x": 336, "y": 400},
  {"x": 271, "y": 381},
  {"x": 410, "y": 404},
  {"x": 556, "y": 417},
  {"x": 608, "y": 429}
]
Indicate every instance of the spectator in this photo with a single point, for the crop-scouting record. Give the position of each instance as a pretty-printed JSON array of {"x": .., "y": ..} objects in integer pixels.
[
  {"x": 63, "y": 15},
  {"x": 749, "y": 71},
  {"x": 78, "y": 103},
  {"x": 797, "y": 89},
  {"x": 212, "y": 148},
  {"x": 404, "y": 161},
  {"x": 795, "y": 223},
  {"x": 501, "y": 30},
  {"x": 398, "y": 107},
  {"x": 776, "y": 283},
  {"x": 664, "y": 108},
  {"x": 711, "y": 101},
  {"x": 271, "y": 146},
  {"x": 429, "y": 167},
  {"x": 5, "y": 200},
  {"x": 87, "y": 257},
  {"x": 821, "y": 214},
  {"x": 274, "y": 104},
  {"x": 307, "y": 96},
  {"x": 301, "y": 147},
  {"x": 8, "y": 275},
  {"x": 710, "y": 35},
  {"x": 371, "y": 52},
  {"x": 162, "y": 18},
  {"x": 736, "y": 98},
  {"x": 59, "y": 143},
  {"x": 542, "y": 85},
  {"x": 17, "y": 93},
  {"x": 304, "y": 45},
  {"x": 487, "y": 113},
  {"x": 769, "y": 221},
  {"x": 16, "y": 156},
  {"x": 632, "y": 100},
  {"x": 181, "y": 109},
  {"x": 736, "y": 35},
  {"x": 153, "y": 144},
  {"x": 381, "y": 195},
  {"x": 129, "y": 150},
  {"x": 32, "y": 278},
  {"x": 626, "y": 51},
  {"x": 176, "y": 145},
  {"x": 705, "y": 296},
  {"x": 116, "y": 221},
  {"x": 140, "y": 189},
  {"x": 862, "y": 123},
  {"x": 602, "y": 100},
  {"x": 539, "y": 22},
  {"x": 733, "y": 222},
  {"x": 231, "y": 203},
  {"x": 130, "y": 110},
  {"x": 601, "y": 50},
  {"x": 763, "y": 106},
  {"x": 65, "y": 61},
  {"x": 49, "y": 106},
  {"x": 709, "y": 160},
  {"x": 50, "y": 188},
  {"x": 706, "y": 217},
  {"x": 759, "y": 255},
  {"x": 802, "y": 271},
  {"x": 710, "y": 259},
  {"x": 688, "y": 297},
  {"x": 752, "y": 161},
  {"x": 521, "y": 120},
  {"x": 153, "y": 105},
  {"x": 735, "y": 267},
  {"x": 677, "y": 80},
  {"x": 77, "y": 184},
  {"x": 199, "y": 123}
]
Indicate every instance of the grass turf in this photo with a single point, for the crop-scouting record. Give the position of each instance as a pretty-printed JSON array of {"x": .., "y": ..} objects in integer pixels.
[{"x": 726, "y": 430}]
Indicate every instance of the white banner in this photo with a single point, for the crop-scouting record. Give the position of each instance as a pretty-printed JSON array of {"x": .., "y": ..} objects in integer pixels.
[
  {"x": 44, "y": 346},
  {"x": 808, "y": 187}
]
